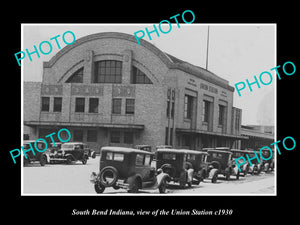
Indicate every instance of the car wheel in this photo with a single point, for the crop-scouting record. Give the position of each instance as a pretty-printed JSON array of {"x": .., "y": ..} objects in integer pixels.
[
  {"x": 99, "y": 188},
  {"x": 134, "y": 187},
  {"x": 43, "y": 160},
  {"x": 84, "y": 160},
  {"x": 238, "y": 175},
  {"x": 214, "y": 177},
  {"x": 183, "y": 179},
  {"x": 227, "y": 174},
  {"x": 108, "y": 176},
  {"x": 69, "y": 159},
  {"x": 163, "y": 186},
  {"x": 25, "y": 162}
]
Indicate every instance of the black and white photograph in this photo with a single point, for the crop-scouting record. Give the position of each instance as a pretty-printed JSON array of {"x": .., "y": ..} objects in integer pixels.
[
  {"x": 145, "y": 115},
  {"x": 152, "y": 116}
]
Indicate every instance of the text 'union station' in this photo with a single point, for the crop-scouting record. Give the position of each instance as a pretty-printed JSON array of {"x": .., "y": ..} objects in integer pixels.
[{"x": 109, "y": 91}]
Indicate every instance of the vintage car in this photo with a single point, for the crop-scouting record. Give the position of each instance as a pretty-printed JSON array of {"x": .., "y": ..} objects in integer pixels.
[
  {"x": 237, "y": 153},
  {"x": 144, "y": 147},
  {"x": 129, "y": 169},
  {"x": 38, "y": 157},
  {"x": 221, "y": 159},
  {"x": 268, "y": 164},
  {"x": 183, "y": 166},
  {"x": 70, "y": 152},
  {"x": 255, "y": 167},
  {"x": 163, "y": 147}
]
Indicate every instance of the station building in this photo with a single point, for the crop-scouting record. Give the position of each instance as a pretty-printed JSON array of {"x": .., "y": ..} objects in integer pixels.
[{"x": 110, "y": 91}]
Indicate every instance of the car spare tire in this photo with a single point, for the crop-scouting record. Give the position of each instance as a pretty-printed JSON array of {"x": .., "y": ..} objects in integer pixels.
[
  {"x": 108, "y": 176},
  {"x": 169, "y": 169}
]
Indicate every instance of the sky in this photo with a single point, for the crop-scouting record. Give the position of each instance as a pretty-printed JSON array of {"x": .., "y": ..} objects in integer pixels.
[{"x": 236, "y": 52}]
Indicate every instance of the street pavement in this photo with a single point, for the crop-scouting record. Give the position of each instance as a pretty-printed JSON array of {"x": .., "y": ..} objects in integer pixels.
[{"x": 73, "y": 179}]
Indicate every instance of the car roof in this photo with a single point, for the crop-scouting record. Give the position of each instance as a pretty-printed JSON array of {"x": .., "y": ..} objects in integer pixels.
[
  {"x": 124, "y": 150},
  {"x": 31, "y": 141},
  {"x": 238, "y": 150},
  {"x": 220, "y": 151},
  {"x": 179, "y": 151},
  {"x": 74, "y": 143}
]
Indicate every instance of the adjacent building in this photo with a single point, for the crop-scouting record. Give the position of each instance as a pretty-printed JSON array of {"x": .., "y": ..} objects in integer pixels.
[
  {"x": 108, "y": 90},
  {"x": 258, "y": 136}
]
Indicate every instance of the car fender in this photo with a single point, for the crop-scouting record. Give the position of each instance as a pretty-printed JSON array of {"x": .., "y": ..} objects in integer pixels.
[
  {"x": 130, "y": 180},
  {"x": 235, "y": 170}
]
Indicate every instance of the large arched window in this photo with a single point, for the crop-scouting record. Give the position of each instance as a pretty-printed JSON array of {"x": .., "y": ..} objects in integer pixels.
[
  {"x": 108, "y": 71},
  {"x": 76, "y": 77},
  {"x": 138, "y": 77}
]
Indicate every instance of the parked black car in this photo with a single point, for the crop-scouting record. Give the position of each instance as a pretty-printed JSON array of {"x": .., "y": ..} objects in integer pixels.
[
  {"x": 127, "y": 168},
  {"x": 71, "y": 152}
]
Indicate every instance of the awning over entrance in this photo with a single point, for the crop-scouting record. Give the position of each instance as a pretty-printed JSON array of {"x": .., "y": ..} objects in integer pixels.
[
  {"x": 84, "y": 124},
  {"x": 192, "y": 131}
]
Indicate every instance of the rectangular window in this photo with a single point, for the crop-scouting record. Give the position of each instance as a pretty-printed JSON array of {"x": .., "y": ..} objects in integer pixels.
[
  {"x": 129, "y": 106},
  {"x": 206, "y": 110},
  {"x": 114, "y": 156},
  {"x": 45, "y": 104},
  {"x": 221, "y": 114},
  {"x": 188, "y": 103},
  {"x": 115, "y": 136},
  {"x": 128, "y": 137},
  {"x": 108, "y": 71},
  {"x": 118, "y": 157},
  {"x": 78, "y": 135},
  {"x": 57, "y": 104},
  {"x": 79, "y": 104},
  {"x": 92, "y": 136},
  {"x": 116, "y": 105},
  {"x": 147, "y": 160},
  {"x": 93, "y": 105},
  {"x": 169, "y": 156},
  {"x": 139, "y": 161}
]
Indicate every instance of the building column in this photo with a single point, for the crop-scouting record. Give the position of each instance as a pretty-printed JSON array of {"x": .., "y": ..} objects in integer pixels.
[
  {"x": 126, "y": 67},
  {"x": 88, "y": 67}
]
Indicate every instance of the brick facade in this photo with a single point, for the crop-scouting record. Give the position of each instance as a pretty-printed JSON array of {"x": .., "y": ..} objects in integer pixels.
[{"x": 160, "y": 108}]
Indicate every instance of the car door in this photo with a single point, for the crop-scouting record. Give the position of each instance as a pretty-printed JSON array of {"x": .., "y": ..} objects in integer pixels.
[{"x": 143, "y": 166}]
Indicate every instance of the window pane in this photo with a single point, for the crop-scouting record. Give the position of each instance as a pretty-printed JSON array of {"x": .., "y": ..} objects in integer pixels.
[
  {"x": 108, "y": 68},
  {"x": 115, "y": 137},
  {"x": 45, "y": 104},
  {"x": 92, "y": 136},
  {"x": 109, "y": 156},
  {"x": 147, "y": 160},
  {"x": 93, "y": 105},
  {"x": 139, "y": 160},
  {"x": 57, "y": 104},
  {"x": 78, "y": 135},
  {"x": 76, "y": 77},
  {"x": 129, "y": 106},
  {"x": 118, "y": 157},
  {"x": 169, "y": 156},
  {"x": 79, "y": 105},
  {"x": 116, "y": 104}
]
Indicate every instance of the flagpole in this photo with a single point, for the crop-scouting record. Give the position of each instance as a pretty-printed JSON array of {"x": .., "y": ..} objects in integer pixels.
[{"x": 207, "y": 48}]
